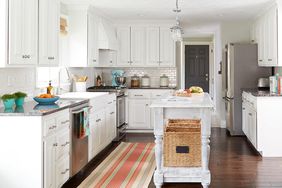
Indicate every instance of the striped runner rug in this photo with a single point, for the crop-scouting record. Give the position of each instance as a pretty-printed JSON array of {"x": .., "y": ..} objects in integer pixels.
[{"x": 130, "y": 165}]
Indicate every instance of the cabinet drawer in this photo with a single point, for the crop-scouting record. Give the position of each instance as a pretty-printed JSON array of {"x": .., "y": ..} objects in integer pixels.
[
  {"x": 62, "y": 171},
  {"x": 139, "y": 95},
  {"x": 160, "y": 94},
  {"x": 49, "y": 126},
  {"x": 63, "y": 143},
  {"x": 63, "y": 121}
]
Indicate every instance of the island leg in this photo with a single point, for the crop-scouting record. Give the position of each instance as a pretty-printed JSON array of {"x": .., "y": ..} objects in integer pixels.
[{"x": 158, "y": 176}]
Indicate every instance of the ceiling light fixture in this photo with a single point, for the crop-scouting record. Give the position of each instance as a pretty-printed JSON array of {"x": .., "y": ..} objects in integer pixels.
[{"x": 177, "y": 30}]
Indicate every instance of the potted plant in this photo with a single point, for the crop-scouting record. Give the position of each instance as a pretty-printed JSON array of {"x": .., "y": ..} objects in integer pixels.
[
  {"x": 20, "y": 98},
  {"x": 8, "y": 100}
]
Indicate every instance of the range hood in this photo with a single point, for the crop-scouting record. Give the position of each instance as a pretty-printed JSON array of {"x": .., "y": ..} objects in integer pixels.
[{"x": 107, "y": 35}]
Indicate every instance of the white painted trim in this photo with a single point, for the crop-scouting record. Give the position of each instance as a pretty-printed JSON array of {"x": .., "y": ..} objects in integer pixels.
[
  {"x": 223, "y": 124},
  {"x": 139, "y": 131},
  {"x": 211, "y": 62}
]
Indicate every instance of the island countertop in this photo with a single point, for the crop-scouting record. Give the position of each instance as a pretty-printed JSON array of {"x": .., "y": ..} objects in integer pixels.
[
  {"x": 32, "y": 108},
  {"x": 202, "y": 101}
]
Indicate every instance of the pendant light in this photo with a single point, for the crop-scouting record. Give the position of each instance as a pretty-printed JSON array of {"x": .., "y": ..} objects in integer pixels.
[{"x": 177, "y": 30}]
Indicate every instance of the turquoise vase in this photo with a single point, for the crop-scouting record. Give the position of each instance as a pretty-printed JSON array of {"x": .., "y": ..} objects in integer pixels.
[
  {"x": 20, "y": 101},
  {"x": 9, "y": 103}
]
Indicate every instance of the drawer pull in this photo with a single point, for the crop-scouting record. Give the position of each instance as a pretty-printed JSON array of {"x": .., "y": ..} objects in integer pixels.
[
  {"x": 112, "y": 113},
  {"x": 158, "y": 95},
  {"x": 64, "y": 122},
  {"x": 51, "y": 58},
  {"x": 250, "y": 114},
  {"x": 269, "y": 59},
  {"x": 98, "y": 120},
  {"x": 55, "y": 144},
  {"x": 65, "y": 171},
  {"x": 138, "y": 95},
  {"x": 110, "y": 102},
  {"x": 53, "y": 127},
  {"x": 65, "y": 144}
]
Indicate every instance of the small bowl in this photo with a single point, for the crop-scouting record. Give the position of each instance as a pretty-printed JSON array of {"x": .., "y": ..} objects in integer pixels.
[{"x": 46, "y": 101}]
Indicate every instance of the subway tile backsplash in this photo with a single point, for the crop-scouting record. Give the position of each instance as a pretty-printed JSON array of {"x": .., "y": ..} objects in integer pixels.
[{"x": 153, "y": 73}]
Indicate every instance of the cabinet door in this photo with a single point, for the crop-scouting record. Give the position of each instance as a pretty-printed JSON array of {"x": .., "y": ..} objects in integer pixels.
[
  {"x": 49, "y": 162},
  {"x": 93, "y": 52},
  {"x": 62, "y": 171},
  {"x": 260, "y": 30},
  {"x": 253, "y": 127},
  {"x": 111, "y": 123},
  {"x": 153, "y": 46},
  {"x": 63, "y": 141},
  {"x": 23, "y": 32},
  {"x": 49, "y": 29},
  {"x": 123, "y": 35},
  {"x": 139, "y": 114},
  {"x": 138, "y": 46},
  {"x": 102, "y": 127},
  {"x": 244, "y": 119},
  {"x": 166, "y": 48},
  {"x": 271, "y": 37}
]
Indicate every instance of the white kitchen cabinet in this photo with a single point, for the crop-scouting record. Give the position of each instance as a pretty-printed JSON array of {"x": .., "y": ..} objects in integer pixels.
[
  {"x": 107, "y": 58},
  {"x": 139, "y": 114},
  {"x": 110, "y": 123},
  {"x": 166, "y": 48},
  {"x": 132, "y": 44},
  {"x": 93, "y": 52},
  {"x": 266, "y": 31},
  {"x": 138, "y": 46},
  {"x": 252, "y": 127},
  {"x": 49, "y": 162},
  {"x": 160, "y": 47},
  {"x": 123, "y": 35},
  {"x": 23, "y": 32},
  {"x": 56, "y": 149},
  {"x": 153, "y": 46},
  {"x": 49, "y": 29}
]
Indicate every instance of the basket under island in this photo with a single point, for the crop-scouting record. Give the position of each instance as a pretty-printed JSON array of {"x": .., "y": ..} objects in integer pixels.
[{"x": 197, "y": 107}]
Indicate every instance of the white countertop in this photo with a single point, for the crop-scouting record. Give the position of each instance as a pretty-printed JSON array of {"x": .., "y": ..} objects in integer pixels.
[
  {"x": 203, "y": 101},
  {"x": 82, "y": 95}
]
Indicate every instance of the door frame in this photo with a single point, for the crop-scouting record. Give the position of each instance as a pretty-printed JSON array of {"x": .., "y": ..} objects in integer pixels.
[{"x": 211, "y": 65}]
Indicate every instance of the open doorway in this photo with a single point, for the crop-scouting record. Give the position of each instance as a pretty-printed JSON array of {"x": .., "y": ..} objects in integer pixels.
[{"x": 197, "y": 66}]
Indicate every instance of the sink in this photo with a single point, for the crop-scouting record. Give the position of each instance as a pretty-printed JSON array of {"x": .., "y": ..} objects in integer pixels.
[{"x": 82, "y": 95}]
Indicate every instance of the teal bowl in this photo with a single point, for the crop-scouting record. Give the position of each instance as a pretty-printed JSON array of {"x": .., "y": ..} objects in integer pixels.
[
  {"x": 46, "y": 101},
  {"x": 20, "y": 101},
  {"x": 9, "y": 103}
]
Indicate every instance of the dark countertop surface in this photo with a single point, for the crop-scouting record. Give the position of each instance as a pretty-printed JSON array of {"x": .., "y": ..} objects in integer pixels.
[
  {"x": 151, "y": 88},
  {"x": 261, "y": 93},
  {"x": 32, "y": 108}
]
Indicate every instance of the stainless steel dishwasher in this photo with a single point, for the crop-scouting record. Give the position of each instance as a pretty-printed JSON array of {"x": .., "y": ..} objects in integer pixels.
[{"x": 79, "y": 144}]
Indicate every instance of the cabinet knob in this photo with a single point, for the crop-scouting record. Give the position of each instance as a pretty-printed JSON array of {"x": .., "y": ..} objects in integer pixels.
[
  {"x": 64, "y": 122},
  {"x": 260, "y": 60},
  {"x": 147, "y": 104},
  {"x": 250, "y": 114},
  {"x": 65, "y": 171},
  {"x": 55, "y": 144},
  {"x": 111, "y": 61},
  {"x": 112, "y": 113},
  {"x": 94, "y": 60},
  {"x": 269, "y": 59},
  {"x": 65, "y": 144}
]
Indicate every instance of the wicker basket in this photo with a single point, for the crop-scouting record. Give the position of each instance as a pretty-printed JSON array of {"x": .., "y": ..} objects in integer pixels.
[{"x": 182, "y": 143}]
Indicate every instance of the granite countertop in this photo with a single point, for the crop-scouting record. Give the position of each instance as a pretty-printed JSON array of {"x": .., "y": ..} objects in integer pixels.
[
  {"x": 261, "y": 93},
  {"x": 151, "y": 88},
  {"x": 32, "y": 108}
]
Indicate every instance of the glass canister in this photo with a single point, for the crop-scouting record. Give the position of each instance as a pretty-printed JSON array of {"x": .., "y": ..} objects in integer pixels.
[
  {"x": 135, "y": 81},
  {"x": 164, "y": 81}
]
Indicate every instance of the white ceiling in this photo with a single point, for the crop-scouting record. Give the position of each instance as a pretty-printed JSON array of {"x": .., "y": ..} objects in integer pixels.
[{"x": 192, "y": 10}]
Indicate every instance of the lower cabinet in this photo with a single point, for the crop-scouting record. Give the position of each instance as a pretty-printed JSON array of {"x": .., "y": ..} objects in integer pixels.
[
  {"x": 249, "y": 121},
  {"x": 56, "y": 148},
  {"x": 102, "y": 124},
  {"x": 139, "y": 113}
]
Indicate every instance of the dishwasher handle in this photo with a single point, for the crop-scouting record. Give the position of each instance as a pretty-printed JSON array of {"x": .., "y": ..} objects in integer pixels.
[{"x": 81, "y": 110}]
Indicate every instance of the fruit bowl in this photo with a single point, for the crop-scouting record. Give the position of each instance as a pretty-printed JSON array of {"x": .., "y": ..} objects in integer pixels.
[{"x": 46, "y": 101}]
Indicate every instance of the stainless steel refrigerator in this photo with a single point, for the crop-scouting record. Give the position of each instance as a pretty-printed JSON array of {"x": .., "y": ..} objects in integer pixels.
[{"x": 239, "y": 70}]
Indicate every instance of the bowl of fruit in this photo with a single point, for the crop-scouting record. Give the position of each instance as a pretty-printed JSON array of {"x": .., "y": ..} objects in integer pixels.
[
  {"x": 46, "y": 99},
  {"x": 192, "y": 91}
]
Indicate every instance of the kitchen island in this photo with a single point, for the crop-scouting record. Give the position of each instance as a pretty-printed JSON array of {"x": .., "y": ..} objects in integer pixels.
[{"x": 197, "y": 107}]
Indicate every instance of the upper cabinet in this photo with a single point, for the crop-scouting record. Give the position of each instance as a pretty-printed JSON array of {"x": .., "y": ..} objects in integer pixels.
[
  {"x": 145, "y": 46},
  {"x": 93, "y": 52},
  {"x": 23, "y": 32},
  {"x": 265, "y": 32},
  {"x": 131, "y": 51},
  {"x": 160, "y": 47},
  {"x": 49, "y": 29}
]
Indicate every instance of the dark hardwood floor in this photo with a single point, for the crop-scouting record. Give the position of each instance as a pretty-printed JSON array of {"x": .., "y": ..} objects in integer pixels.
[{"x": 233, "y": 164}]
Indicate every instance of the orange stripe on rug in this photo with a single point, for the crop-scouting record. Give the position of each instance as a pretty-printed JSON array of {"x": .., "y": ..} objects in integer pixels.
[
  {"x": 137, "y": 160},
  {"x": 127, "y": 166}
]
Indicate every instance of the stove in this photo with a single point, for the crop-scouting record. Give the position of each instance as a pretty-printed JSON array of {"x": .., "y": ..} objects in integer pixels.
[
  {"x": 118, "y": 90},
  {"x": 121, "y": 107}
]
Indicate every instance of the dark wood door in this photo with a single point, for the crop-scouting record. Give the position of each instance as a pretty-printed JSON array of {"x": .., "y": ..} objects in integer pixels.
[{"x": 197, "y": 66}]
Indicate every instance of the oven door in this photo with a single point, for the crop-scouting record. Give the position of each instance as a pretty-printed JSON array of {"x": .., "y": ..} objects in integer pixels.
[{"x": 120, "y": 111}]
